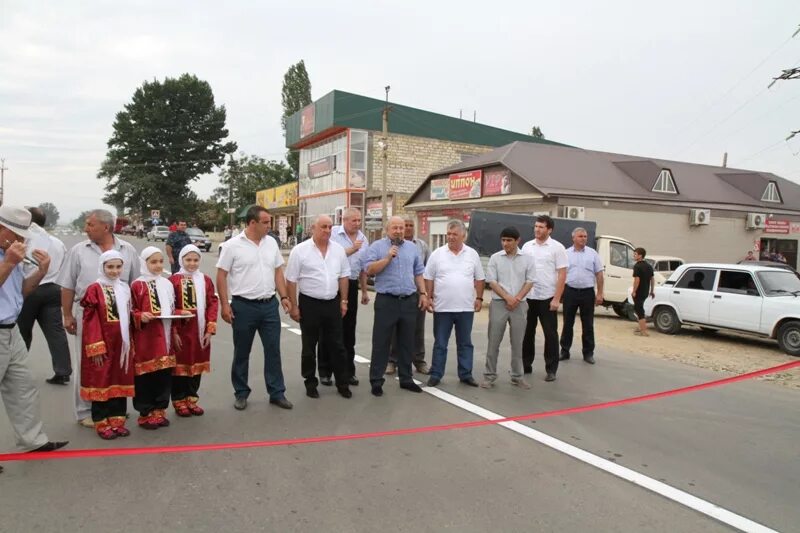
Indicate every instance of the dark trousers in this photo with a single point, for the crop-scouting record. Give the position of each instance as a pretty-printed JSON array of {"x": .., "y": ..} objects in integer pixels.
[
  {"x": 109, "y": 408},
  {"x": 152, "y": 391},
  {"x": 251, "y": 316},
  {"x": 348, "y": 335},
  {"x": 44, "y": 306},
  {"x": 573, "y": 301},
  {"x": 321, "y": 323},
  {"x": 418, "y": 354},
  {"x": 443, "y": 325},
  {"x": 539, "y": 311},
  {"x": 185, "y": 387},
  {"x": 393, "y": 312}
]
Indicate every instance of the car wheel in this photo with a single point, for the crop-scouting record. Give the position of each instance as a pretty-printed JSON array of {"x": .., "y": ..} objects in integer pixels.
[
  {"x": 789, "y": 337},
  {"x": 666, "y": 321},
  {"x": 619, "y": 309}
]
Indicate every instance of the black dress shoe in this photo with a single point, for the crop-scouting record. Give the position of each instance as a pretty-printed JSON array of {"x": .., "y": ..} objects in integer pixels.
[
  {"x": 550, "y": 377},
  {"x": 345, "y": 392},
  {"x": 312, "y": 392},
  {"x": 470, "y": 381},
  {"x": 432, "y": 381},
  {"x": 283, "y": 403},
  {"x": 50, "y": 446},
  {"x": 327, "y": 381},
  {"x": 564, "y": 355},
  {"x": 528, "y": 370},
  {"x": 353, "y": 381},
  {"x": 377, "y": 390},
  {"x": 58, "y": 380},
  {"x": 588, "y": 359},
  {"x": 412, "y": 387}
]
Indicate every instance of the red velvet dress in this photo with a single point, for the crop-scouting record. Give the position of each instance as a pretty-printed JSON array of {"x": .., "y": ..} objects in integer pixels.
[
  {"x": 192, "y": 359},
  {"x": 101, "y": 335},
  {"x": 149, "y": 338}
]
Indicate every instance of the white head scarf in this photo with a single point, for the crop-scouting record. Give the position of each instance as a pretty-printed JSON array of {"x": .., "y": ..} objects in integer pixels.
[
  {"x": 199, "y": 287},
  {"x": 122, "y": 295},
  {"x": 166, "y": 294}
]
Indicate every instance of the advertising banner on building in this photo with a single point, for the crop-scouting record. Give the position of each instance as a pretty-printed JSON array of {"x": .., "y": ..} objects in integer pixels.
[
  {"x": 440, "y": 189},
  {"x": 464, "y": 185},
  {"x": 307, "y": 121},
  {"x": 277, "y": 197},
  {"x": 496, "y": 182},
  {"x": 375, "y": 207},
  {"x": 777, "y": 226},
  {"x": 321, "y": 167},
  {"x": 795, "y": 227}
]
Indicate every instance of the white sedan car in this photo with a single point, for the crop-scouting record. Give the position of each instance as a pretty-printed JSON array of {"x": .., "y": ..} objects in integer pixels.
[{"x": 757, "y": 300}]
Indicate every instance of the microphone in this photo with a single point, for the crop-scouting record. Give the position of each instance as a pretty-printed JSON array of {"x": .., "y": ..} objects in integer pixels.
[{"x": 397, "y": 242}]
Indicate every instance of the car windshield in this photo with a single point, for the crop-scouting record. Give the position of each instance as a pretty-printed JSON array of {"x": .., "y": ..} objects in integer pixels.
[
  {"x": 195, "y": 232},
  {"x": 778, "y": 283}
]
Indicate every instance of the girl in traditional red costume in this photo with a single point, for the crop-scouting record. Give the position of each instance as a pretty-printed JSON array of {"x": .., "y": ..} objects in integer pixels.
[
  {"x": 153, "y": 297},
  {"x": 106, "y": 366},
  {"x": 191, "y": 337}
]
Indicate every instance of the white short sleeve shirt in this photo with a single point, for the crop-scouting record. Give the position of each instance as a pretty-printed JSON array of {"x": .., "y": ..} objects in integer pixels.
[
  {"x": 548, "y": 258},
  {"x": 317, "y": 276},
  {"x": 250, "y": 266},
  {"x": 454, "y": 276}
]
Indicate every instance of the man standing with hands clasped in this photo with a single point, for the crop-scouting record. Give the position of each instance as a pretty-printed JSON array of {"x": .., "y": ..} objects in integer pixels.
[
  {"x": 319, "y": 269},
  {"x": 397, "y": 268}
]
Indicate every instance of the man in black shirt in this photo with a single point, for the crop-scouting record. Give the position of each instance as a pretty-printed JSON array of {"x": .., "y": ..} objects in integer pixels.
[
  {"x": 643, "y": 286},
  {"x": 175, "y": 242}
]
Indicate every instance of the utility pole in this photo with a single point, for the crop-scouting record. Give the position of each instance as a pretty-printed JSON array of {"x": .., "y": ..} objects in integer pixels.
[
  {"x": 230, "y": 193},
  {"x": 385, "y": 153},
  {"x": 2, "y": 179}
]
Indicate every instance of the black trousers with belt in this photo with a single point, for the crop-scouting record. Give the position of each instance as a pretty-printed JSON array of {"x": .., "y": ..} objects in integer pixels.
[
  {"x": 44, "y": 306},
  {"x": 396, "y": 314},
  {"x": 539, "y": 311},
  {"x": 348, "y": 335},
  {"x": 322, "y": 320},
  {"x": 578, "y": 300}
]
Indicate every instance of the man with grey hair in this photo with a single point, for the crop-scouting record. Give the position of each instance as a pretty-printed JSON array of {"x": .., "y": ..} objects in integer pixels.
[
  {"x": 455, "y": 281},
  {"x": 80, "y": 269},
  {"x": 585, "y": 270}
]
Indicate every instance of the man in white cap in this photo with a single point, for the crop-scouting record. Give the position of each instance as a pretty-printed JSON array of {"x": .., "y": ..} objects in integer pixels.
[{"x": 19, "y": 394}]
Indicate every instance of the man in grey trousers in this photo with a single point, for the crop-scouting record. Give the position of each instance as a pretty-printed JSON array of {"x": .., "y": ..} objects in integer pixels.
[{"x": 510, "y": 274}]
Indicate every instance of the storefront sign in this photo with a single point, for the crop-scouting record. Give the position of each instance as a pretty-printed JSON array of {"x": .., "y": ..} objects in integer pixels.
[
  {"x": 496, "y": 182},
  {"x": 777, "y": 226},
  {"x": 464, "y": 185},
  {"x": 283, "y": 225},
  {"x": 375, "y": 208},
  {"x": 795, "y": 227},
  {"x": 440, "y": 189},
  {"x": 423, "y": 223},
  {"x": 277, "y": 197},
  {"x": 307, "y": 121},
  {"x": 321, "y": 167}
]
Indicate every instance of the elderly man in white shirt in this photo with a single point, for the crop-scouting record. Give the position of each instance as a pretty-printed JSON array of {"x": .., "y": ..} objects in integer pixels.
[
  {"x": 551, "y": 262},
  {"x": 454, "y": 280},
  {"x": 250, "y": 269},
  {"x": 44, "y": 304},
  {"x": 318, "y": 269}
]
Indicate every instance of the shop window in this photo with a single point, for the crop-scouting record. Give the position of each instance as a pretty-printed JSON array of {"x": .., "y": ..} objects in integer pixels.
[{"x": 665, "y": 183}]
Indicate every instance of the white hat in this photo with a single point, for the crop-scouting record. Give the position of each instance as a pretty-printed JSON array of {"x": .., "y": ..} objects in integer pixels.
[{"x": 16, "y": 219}]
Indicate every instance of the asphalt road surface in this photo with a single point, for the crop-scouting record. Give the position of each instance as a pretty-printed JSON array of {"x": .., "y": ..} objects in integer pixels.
[{"x": 729, "y": 452}]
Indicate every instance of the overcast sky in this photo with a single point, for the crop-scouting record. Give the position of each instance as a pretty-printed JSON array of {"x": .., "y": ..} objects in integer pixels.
[{"x": 685, "y": 81}]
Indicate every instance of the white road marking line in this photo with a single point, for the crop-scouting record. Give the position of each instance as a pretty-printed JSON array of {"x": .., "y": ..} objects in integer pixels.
[
  {"x": 295, "y": 331},
  {"x": 358, "y": 359},
  {"x": 284, "y": 325},
  {"x": 684, "y": 498}
]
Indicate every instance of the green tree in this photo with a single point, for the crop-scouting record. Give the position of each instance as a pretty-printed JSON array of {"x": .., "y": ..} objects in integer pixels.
[
  {"x": 51, "y": 214},
  {"x": 536, "y": 131},
  {"x": 170, "y": 134},
  {"x": 80, "y": 222},
  {"x": 295, "y": 95},
  {"x": 246, "y": 176}
]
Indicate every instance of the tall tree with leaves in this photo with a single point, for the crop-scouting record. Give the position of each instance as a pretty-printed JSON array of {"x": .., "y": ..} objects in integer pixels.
[
  {"x": 80, "y": 221},
  {"x": 295, "y": 95},
  {"x": 536, "y": 132},
  {"x": 51, "y": 214},
  {"x": 247, "y": 175},
  {"x": 169, "y": 135}
]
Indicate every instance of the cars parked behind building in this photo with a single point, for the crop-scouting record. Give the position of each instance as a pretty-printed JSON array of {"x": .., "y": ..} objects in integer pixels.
[{"x": 758, "y": 300}]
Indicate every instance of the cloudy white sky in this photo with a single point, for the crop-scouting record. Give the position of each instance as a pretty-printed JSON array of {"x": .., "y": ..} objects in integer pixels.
[{"x": 686, "y": 80}]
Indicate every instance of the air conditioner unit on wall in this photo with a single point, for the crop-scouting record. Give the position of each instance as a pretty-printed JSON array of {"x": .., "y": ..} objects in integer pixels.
[
  {"x": 755, "y": 220},
  {"x": 573, "y": 211},
  {"x": 699, "y": 217}
]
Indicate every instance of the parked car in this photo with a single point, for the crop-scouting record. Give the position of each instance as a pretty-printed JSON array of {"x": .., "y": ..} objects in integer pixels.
[
  {"x": 664, "y": 264},
  {"x": 746, "y": 298},
  {"x": 199, "y": 238},
  {"x": 158, "y": 233},
  {"x": 774, "y": 264}
]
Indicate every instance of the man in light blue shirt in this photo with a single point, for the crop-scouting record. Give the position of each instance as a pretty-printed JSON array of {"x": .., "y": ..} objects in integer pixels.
[
  {"x": 584, "y": 272},
  {"x": 398, "y": 269}
]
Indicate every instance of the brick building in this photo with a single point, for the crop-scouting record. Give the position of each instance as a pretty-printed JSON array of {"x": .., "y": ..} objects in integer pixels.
[{"x": 340, "y": 141}]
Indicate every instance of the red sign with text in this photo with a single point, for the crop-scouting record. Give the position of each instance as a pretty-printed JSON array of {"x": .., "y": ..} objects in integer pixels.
[
  {"x": 465, "y": 185},
  {"x": 777, "y": 226}
]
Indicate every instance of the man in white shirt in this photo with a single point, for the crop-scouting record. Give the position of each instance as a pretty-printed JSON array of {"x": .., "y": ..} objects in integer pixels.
[
  {"x": 454, "y": 280},
  {"x": 551, "y": 262},
  {"x": 43, "y": 305},
  {"x": 355, "y": 245},
  {"x": 250, "y": 269},
  {"x": 319, "y": 270}
]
